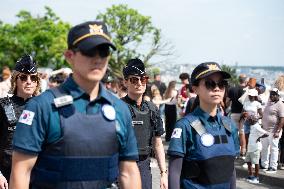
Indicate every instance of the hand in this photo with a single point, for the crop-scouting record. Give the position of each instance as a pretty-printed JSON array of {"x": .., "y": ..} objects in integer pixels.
[
  {"x": 164, "y": 181},
  {"x": 276, "y": 135},
  {"x": 3, "y": 182}
]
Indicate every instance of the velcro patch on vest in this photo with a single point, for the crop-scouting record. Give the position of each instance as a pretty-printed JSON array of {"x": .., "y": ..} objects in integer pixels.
[
  {"x": 176, "y": 133},
  {"x": 27, "y": 117}
]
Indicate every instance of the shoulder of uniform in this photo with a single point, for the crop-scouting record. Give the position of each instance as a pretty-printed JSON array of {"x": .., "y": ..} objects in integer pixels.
[
  {"x": 4, "y": 100},
  {"x": 151, "y": 105}
]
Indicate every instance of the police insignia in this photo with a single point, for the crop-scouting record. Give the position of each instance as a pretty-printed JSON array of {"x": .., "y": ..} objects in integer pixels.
[
  {"x": 109, "y": 112},
  {"x": 27, "y": 117},
  {"x": 207, "y": 139},
  {"x": 176, "y": 133}
]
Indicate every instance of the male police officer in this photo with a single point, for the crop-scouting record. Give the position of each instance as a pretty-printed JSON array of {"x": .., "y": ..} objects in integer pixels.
[
  {"x": 74, "y": 136},
  {"x": 24, "y": 85},
  {"x": 147, "y": 122}
]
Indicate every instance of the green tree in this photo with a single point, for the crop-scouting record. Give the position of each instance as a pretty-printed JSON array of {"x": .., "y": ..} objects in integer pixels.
[
  {"x": 134, "y": 36},
  {"x": 232, "y": 71},
  {"x": 42, "y": 36}
]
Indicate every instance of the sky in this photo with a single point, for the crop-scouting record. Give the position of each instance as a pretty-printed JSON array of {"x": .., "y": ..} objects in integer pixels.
[{"x": 243, "y": 32}]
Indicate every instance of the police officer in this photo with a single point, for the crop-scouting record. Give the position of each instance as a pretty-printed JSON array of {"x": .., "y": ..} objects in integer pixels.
[
  {"x": 77, "y": 135},
  {"x": 147, "y": 122},
  {"x": 24, "y": 85},
  {"x": 204, "y": 143}
]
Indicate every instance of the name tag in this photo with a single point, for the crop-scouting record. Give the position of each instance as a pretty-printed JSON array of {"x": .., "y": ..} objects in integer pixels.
[
  {"x": 137, "y": 123},
  {"x": 63, "y": 100}
]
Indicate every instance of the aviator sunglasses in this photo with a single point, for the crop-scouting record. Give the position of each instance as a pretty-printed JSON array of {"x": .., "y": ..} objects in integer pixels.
[
  {"x": 103, "y": 51},
  {"x": 24, "y": 77},
  {"x": 211, "y": 85},
  {"x": 135, "y": 80}
]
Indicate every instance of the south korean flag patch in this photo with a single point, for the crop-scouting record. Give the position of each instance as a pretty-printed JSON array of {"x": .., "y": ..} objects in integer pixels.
[
  {"x": 27, "y": 117},
  {"x": 176, "y": 133}
]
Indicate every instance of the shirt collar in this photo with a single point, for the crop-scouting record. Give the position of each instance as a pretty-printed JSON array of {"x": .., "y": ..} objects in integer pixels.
[
  {"x": 204, "y": 116},
  {"x": 76, "y": 91}
]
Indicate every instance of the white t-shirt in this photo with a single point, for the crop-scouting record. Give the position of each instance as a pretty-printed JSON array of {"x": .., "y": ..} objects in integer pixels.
[
  {"x": 255, "y": 132},
  {"x": 251, "y": 106}
]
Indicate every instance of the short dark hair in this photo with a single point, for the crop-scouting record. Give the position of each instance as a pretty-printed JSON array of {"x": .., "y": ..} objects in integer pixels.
[{"x": 184, "y": 76}]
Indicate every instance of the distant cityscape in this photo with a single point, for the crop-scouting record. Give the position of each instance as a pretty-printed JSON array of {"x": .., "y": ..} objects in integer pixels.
[{"x": 171, "y": 72}]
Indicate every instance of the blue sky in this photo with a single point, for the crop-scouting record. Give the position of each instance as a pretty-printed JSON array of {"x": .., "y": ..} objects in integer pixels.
[{"x": 250, "y": 32}]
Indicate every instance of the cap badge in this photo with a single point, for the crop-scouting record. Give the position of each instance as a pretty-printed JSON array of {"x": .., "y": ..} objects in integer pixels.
[
  {"x": 97, "y": 30},
  {"x": 213, "y": 67}
]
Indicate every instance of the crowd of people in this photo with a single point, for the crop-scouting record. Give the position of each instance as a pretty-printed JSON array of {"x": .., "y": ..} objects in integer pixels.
[{"x": 82, "y": 128}]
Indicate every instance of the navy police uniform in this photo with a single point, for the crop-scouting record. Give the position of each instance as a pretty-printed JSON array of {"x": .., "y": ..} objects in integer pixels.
[
  {"x": 78, "y": 144},
  {"x": 208, "y": 146},
  {"x": 146, "y": 121},
  {"x": 10, "y": 111}
]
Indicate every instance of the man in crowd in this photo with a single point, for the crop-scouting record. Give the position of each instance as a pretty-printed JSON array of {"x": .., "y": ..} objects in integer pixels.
[
  {"x": 77, "y": 135},
  {"x": 272, "y": 121}
]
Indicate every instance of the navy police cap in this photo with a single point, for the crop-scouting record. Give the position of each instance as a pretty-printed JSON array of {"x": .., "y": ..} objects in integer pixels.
[
  {"x": 88, "y": 35},
  {"x": 205, "y": 69},
  {"x": 134, "y": 67},
  {"x": 26, "y": 64}
]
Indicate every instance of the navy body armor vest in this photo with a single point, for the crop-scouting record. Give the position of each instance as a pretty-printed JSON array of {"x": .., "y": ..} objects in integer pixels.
[
  {"x": 85, "y": 157},
  {"x": 211, "y": 162}
]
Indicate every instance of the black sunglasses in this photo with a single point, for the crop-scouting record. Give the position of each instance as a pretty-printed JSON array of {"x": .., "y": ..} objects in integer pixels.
[
  {"x": 24, "y": 77},
  {"x": 211, "y": 85},
  {"x": 102, "y": 50},
  {"x": 135, "y": 80}
]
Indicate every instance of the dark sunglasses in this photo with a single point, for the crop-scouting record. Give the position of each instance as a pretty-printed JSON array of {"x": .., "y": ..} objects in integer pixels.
[
  {"x": 24, "y": 77},
  {"x": 211, "y": 85},
  {"x": 103, "y": 51},
  {"x": 135, "y": 80}
]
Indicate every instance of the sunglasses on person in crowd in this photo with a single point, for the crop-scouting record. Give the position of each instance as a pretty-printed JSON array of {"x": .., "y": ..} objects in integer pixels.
[
  {"x": 211, "y": 85},
  {"x": 135, "y": 80},
  {"x": 102, "y": 50},
  {"x": 24, "y": 77}
]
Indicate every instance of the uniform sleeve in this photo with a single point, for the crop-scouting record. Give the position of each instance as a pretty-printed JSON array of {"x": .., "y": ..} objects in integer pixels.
[
  {"x": 126, "y": 136},
  {"x": 159, "y": 129},
  {"x": 177, "y": 146},
  {"x": 235, "y": 137},
  {"x": 281, "y": 110},
  {"x": 29, "y": 134}
]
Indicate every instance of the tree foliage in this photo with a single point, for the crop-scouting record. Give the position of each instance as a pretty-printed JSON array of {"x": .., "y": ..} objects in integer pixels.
[
  {"x": 134, "y": 36},
  {"x": 232, "y": 71},
  {"x": 42, "y": 36}
]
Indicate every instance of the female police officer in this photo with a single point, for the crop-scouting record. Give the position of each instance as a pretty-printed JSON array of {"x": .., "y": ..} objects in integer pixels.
[
  {"x": 24, "y": 85},
  {"x": 77, "y": 135},
  {"x": 204, "y": 144},
  {"x": 147, "y": 122}
]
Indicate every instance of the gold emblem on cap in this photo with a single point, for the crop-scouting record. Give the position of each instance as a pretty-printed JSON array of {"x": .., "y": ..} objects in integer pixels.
[
  {"x": 94, "y": 30},
  {"x": 211, "y": 67}
]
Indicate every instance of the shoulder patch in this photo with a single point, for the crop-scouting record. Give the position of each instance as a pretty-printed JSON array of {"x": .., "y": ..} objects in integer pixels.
[
  {"x": 27, "y": 117},
  {"x": 176, "y": 133}
]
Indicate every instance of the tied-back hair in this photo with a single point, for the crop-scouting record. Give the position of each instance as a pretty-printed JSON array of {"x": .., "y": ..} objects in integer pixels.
[
  {"x": 196, "y": 103},
  {"x": 13, "y": 89}
]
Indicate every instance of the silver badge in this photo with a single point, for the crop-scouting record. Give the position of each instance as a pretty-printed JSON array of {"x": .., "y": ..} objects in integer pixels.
[
  {"x": 207, "y": 139},
  {"x": 109, "y": 112}
]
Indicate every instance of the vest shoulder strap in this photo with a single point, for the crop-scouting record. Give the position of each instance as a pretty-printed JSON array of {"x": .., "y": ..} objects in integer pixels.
[
  {"x": 227, "y": 123},
  {"x": 196, "y": 124}
]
